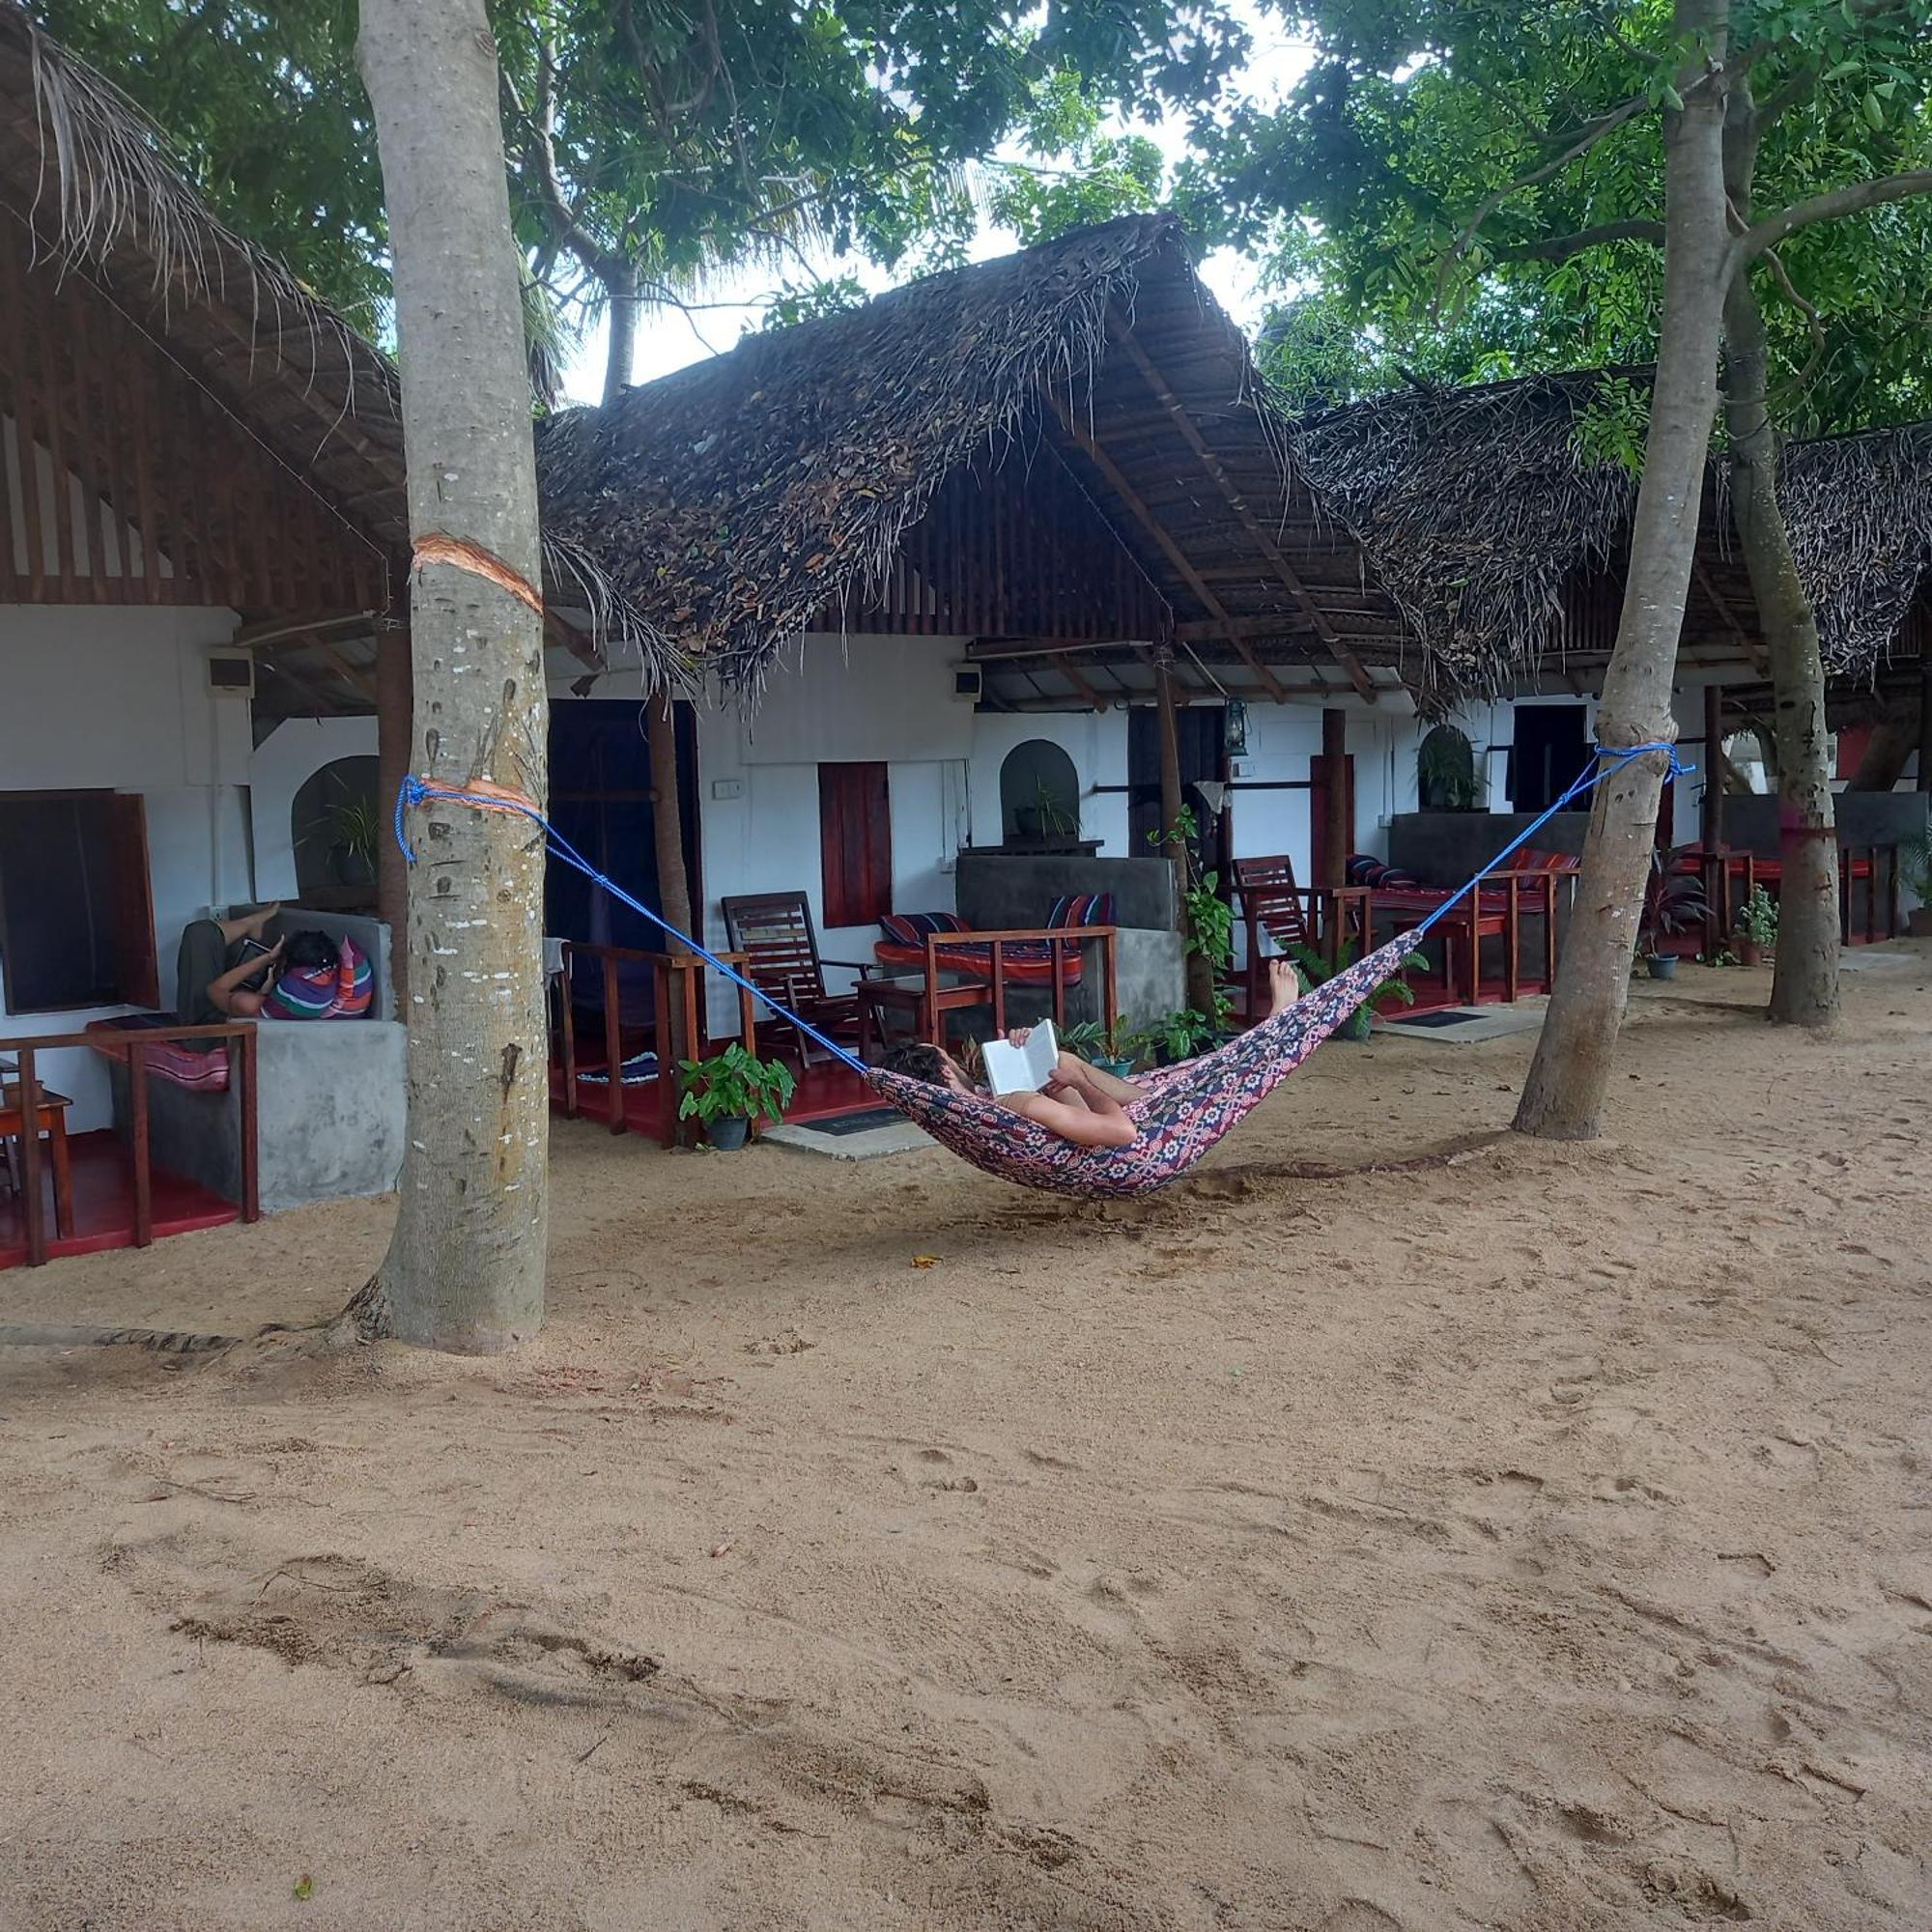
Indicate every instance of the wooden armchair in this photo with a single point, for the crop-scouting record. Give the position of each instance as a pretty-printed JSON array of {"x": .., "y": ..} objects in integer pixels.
[
  {"x": 1268, "y": 901},
  {"x": 774, "y": 933}
]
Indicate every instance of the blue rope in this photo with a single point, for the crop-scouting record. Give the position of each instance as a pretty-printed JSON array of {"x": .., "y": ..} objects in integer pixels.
[
  {"x": 1603, "y": 763},
  {"x": 414, "y": 790}
]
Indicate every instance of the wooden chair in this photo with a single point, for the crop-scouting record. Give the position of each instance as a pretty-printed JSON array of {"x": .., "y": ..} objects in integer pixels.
[
  {"x": 774, "y": 933},
  {"x": 1317, "y": 917}
]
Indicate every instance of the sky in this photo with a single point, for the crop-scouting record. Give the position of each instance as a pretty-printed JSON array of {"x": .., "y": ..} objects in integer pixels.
[{"x": 669, "y": 339}]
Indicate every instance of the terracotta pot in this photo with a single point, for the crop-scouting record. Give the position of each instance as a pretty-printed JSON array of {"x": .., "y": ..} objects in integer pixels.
[{"x": 1751, "y": 951}]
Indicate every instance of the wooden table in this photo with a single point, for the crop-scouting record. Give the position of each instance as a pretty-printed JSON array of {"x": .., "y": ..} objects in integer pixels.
[
  {"x": 925, "y": 1008},
  {"x": 50, "y": 1117}
]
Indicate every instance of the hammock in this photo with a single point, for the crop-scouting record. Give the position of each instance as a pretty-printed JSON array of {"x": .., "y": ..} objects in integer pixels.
[{"x": 1182, "y": 1111}]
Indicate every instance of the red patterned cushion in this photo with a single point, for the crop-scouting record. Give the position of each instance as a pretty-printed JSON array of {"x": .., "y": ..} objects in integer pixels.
[
  {"x": 910, "y": 928},
  {"x": 1082, "y": 909}
]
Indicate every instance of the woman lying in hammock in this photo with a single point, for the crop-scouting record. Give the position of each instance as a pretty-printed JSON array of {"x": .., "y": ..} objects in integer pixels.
[{"x": 1081, "y": 1103}]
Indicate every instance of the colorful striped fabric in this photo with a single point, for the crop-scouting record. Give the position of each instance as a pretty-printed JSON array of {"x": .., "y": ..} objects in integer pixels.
[
  {"x": 201, "y": 1070},
  {"x": 1082, "y": 909},
  {"x": 1183, "y": 1113},
  {"x": 307, "y": 993}
]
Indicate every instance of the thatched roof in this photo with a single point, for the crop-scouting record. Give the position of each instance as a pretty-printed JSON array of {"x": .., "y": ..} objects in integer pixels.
[
  {"x": 93, "y": 179},
  {"x": 742, "y": 500},
  {"x": 1486, "y": 511}
]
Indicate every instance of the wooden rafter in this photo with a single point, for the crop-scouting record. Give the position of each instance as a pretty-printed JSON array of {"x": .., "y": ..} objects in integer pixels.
[
  {"x": 1177, "y": 411},
  {"x": 1722, "y": 604},
  {"x": 1170, "y": 549}
]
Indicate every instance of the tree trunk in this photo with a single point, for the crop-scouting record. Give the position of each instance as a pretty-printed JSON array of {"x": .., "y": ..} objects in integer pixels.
[
  {"x": 1199, "y": 970},
  {"x": 1805, "y": 984},
  {"x": 466, "y": 1264},
  {"x": 620, "y": 293},
  {"x": 1563, "y": 1098},
  {"x": 394, "y": 737},
  {"x": 1889, "y": 750}
]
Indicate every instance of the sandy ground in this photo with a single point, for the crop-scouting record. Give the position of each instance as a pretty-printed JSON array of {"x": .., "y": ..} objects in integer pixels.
[{"x": 1534, "y": 1537}]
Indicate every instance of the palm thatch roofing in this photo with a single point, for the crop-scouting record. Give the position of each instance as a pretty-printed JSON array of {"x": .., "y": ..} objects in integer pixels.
[
  {"x": 801, "y": 481},
  {"x": 1498, "y": 518},
  {"x": 93, "y": 182}
]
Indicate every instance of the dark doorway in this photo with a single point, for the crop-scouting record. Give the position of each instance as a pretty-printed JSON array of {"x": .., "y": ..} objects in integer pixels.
[
  {"x": 600, "y": 800},
  {"x": 1552, "y": 746},
  {"x": 1201, "y": 734}
]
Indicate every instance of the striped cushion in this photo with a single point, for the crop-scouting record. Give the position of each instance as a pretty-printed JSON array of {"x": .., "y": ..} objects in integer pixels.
[
  {"x": 1081, "y": 909},
  {"x": 1365, "y": 870},
  {"x": 910, "y": 928},
  {"x": 318, "y": 994}
]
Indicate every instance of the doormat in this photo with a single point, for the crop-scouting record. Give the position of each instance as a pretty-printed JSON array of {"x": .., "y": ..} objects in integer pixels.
[
  {"x": 861, "y": 1120},
  {"x": 1464, "y": 1026}
]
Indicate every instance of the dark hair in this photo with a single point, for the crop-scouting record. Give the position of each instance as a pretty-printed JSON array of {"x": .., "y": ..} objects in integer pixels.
[
  {"x": 918, "y": 1061},
  {"x": 310, "y": 952}
]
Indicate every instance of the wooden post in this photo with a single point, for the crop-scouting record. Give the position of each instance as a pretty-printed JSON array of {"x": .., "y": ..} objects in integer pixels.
[
  {"x": 246, "y": 1066},
  {"x": 139, "y": 1150},
  {"x": 1711, "y": 828},
  {"x": 1926, "y": 726},
  {"x": 1170, "y": 772},
  {"x": 614, "y": 1045},
  {"x": 1338, "y": 833},
  {"x": 30, "y": 1151},
  {"x": 395, "y": 707}
]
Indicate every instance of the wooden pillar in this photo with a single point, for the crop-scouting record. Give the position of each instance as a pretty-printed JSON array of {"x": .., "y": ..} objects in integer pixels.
[
  {"x": 1711, "y": 819},
  {"x": 395, "y": 708},
  {"x": 1926, "y": 726},
  {"x": 1338, "y": 833},
  {"x": 1169, "y": 767}
]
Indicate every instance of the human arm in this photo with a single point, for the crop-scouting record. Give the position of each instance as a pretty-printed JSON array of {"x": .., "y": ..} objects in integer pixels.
[
  {"x": 227, "y": 994},
  {"x": 1083, "y": 1075},
  {"x": 1091, "y": 1117}
]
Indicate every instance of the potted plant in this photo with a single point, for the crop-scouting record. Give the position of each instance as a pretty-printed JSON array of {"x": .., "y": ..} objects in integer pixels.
[
  {"x": 350, "y": 831},
  {"x": 727, "y": 1091},
  {"x": 1673, "y": 902},
  {"x": 1758, "y": 926},
  {"x": 1179, "y": 1036},
  {"x": 1114, "y": 1049},
  {"x": 1915, "y": 873},
  {"x": 1314, "y": 971}
]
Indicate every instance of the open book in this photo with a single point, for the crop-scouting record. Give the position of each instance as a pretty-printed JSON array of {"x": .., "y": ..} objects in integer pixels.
[{"x": 1022, "y": 1070}]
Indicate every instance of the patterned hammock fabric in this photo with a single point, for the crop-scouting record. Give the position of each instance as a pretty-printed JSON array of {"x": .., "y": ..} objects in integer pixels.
[{"x": 1183, "y": 1112}]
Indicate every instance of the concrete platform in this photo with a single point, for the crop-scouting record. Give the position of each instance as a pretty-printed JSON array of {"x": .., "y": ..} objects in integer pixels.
[
  {"x": 899, "y": 1136},
  {"x": 1462, "y": 1026}
]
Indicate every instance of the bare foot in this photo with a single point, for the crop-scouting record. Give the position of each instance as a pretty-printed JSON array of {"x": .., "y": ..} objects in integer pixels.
[{"x": 1284, "y": 986}]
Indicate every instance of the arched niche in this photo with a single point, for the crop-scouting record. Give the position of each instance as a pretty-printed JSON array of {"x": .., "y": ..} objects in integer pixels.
[
  {"x": 335, "y": 826},
  {"x": 1039, "y": 792}
]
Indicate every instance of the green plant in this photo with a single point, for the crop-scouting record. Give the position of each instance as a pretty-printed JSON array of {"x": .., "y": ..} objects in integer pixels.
[
  {"x": 1054, "y": 818},
  {"x": 1093, "y": 1039},
  {"x": 1723, "y": 956},
  {"x": 733, "y": 1086},
  {"x": 1313, "y": 970},
  {"x": 1208, "y": 918},
  {"x": 1445, "y": 770},
  {"x": 1757, "y": 918},
  {"x": 351, "y": 824},
  {"x": 1915, "y": 867},
  {"x": 1180, "y": 1035},
  {"x": 1673, "y": 901}
]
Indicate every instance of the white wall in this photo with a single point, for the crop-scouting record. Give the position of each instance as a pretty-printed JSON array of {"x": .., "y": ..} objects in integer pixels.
[
  {"x": 117, "y": 698},
  {"x": 282, "y": 763}
]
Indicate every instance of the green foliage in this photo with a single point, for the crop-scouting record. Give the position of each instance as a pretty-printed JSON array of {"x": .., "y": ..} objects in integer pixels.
[
  {"x": 1101, "y": 176},
  {"x": 649, "y": 143},
  {"x": 1180, "y": 1035},
  {"x": 808, "y": 301},
  {"x": 1915, "y": 867},
  {"x": 733, "y": 1086},
  {"x": 1611, "y": 426},
  {"x": 1673, "y": 901},
  {"x": 1314, "y": 969},
  {"x": 1122, "y": 1043},
  {"x": 1208, "y": 918},
  {"x": 1418, "y": 116},
  {"x": 1757, "y": 918},
  {"x": 1445, "y": 770}
]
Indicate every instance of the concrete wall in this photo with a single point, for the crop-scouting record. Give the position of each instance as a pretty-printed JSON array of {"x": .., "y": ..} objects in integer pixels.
[
  {"x": 117, "y": 698},
  {"x": 998, "y": 890}
]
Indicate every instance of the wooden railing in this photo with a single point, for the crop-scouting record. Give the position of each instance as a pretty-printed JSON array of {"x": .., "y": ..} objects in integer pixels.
[
  {"x": 130, "y": 1046},
  {"x": 677, "y": 987},
  {"x": 1058, "y": 937}
]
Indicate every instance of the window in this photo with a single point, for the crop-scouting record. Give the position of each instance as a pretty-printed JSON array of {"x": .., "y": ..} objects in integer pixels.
[
  {"x": 77, "y": 920},
  {"x": 1039, "y": 792},
  {"x": 855, "y": 838}
]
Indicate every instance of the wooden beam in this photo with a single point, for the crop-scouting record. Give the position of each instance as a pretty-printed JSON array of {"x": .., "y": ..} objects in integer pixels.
[
  {"x": 1170, "y": 549},
  {"x": 1926, "y": 726},
  {"x": 1063, "y": 663},
  {"x": 1711, "y": 827},
  {"x": 1170, "y": 774},
  {"x": 1753, "y": 651},
  {"x": 358, "y": 680},
  {"x": 1338, "y": 834},
  {"x": 1190, "y": 431}
]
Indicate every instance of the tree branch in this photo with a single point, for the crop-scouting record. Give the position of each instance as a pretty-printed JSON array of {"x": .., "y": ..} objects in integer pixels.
[
  {"x": 1560, "y": 247},
  {"x": 1813, "y": 321},
  {"x": 1850, "y": 199},
  {"x": 1594, "y": 133}
]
